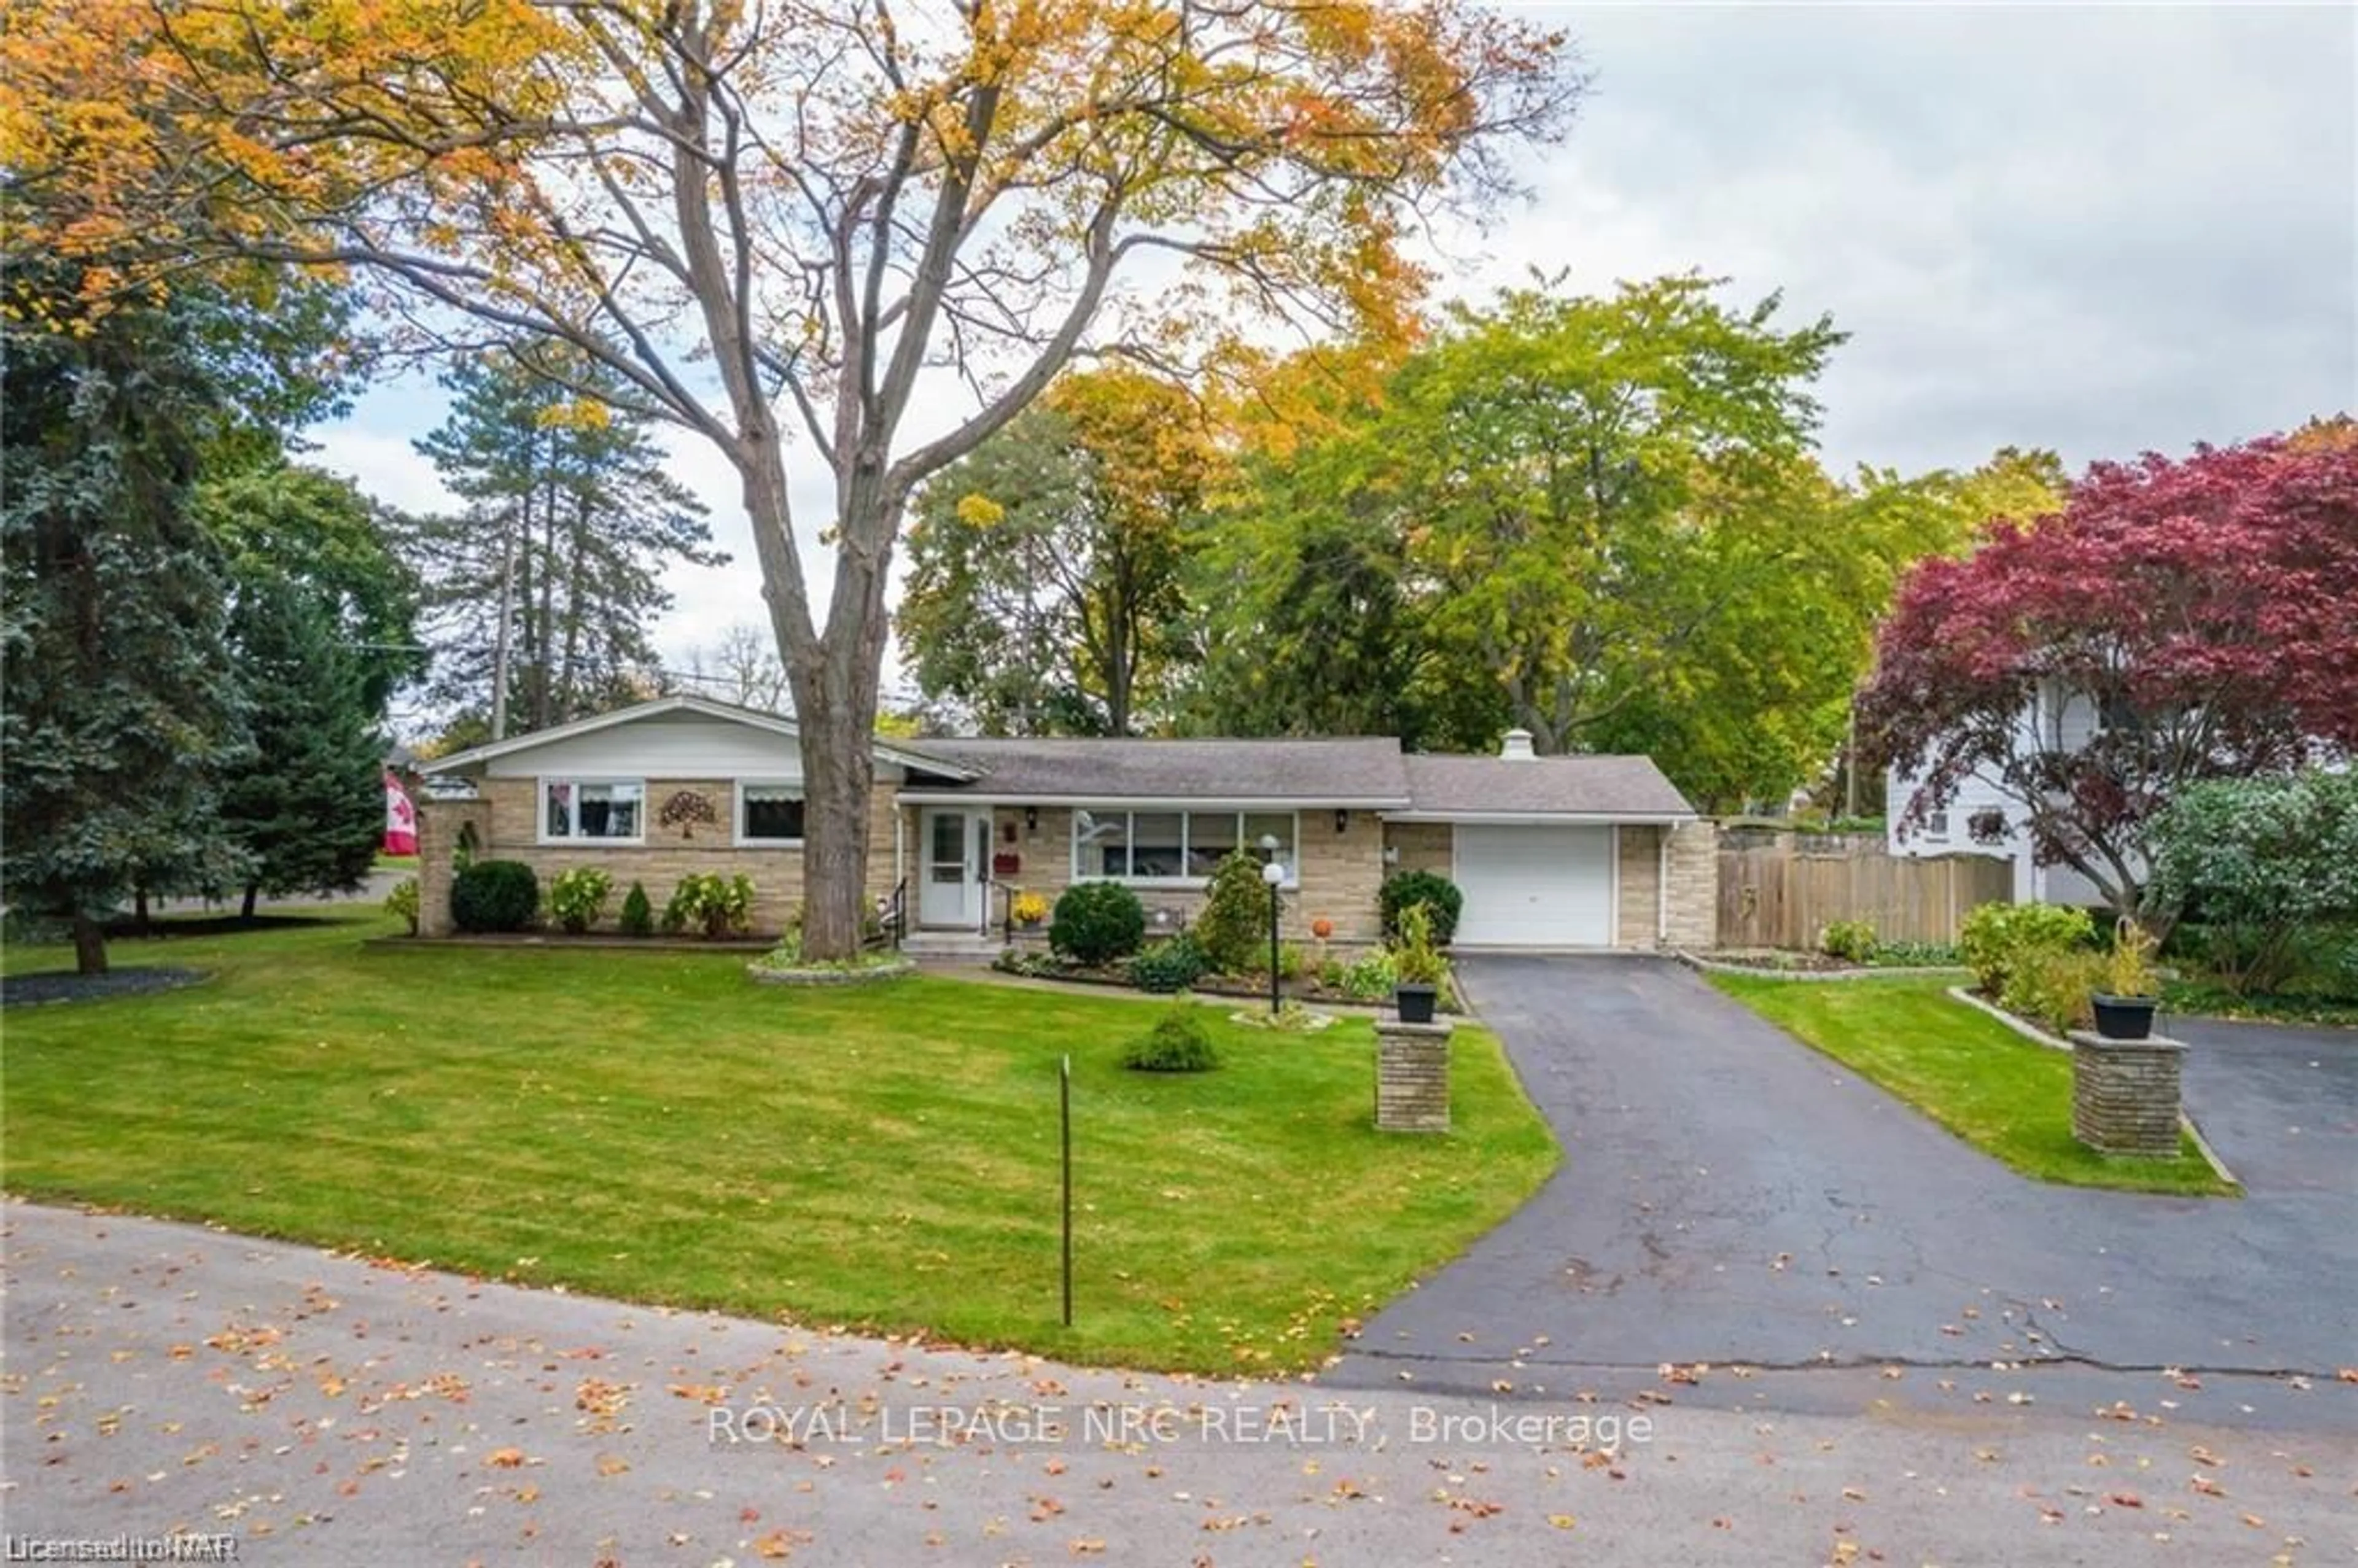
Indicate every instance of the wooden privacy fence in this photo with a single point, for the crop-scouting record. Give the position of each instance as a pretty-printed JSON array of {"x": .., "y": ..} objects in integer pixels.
[{"x": 1773, "y": 895}]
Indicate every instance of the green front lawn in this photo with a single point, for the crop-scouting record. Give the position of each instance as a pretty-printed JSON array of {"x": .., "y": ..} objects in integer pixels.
[
  {"x": 656, "y": 1127},
  {"x": 1999, "y": 1092}
]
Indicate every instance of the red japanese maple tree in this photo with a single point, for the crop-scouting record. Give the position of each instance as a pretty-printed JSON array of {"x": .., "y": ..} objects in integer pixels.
[{"x": 2203, "y": 612}]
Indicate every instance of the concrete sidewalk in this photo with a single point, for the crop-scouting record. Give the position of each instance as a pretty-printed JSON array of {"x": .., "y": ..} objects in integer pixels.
[{"x": 316, "y": 1408}]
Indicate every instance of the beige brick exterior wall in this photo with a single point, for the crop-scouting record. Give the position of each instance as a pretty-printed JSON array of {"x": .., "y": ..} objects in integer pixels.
[
  {"x": 1638, "y": 895},
  {"x": 1338, "y": 875},
  {"x": 1422, "y": 845},
  {"x": 1694, "y": 885},
  {"x": 506, "y": 819}
]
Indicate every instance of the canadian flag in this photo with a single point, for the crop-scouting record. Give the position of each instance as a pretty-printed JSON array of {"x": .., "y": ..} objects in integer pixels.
[{"x": 400, "y": 818}]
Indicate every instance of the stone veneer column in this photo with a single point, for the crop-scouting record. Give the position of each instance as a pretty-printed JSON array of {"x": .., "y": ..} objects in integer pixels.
[
  {"x": 2125, "y": 1093},
  {"x": 1693, "y": 887},
  {"x": 1412, "y": 1075}
]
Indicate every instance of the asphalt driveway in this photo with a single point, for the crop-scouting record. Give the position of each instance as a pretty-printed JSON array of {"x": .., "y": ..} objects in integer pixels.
[{"x": 1729, "y": 1196}]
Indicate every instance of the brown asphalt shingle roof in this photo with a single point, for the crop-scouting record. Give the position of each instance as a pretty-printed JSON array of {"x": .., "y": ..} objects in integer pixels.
[{"x": 1599, "y": 786}]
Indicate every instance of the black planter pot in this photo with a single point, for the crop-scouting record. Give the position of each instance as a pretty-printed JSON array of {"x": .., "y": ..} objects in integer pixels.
[
  {"x": 2125, "y": 1017},
  {"x": 1416, "y": 1002}
]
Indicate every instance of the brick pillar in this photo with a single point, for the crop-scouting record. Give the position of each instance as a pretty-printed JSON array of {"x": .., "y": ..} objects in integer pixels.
[
  {"x": 2125, "y": 1093},
  {"x": 439, "y": 824},
  {"x": 1411, "y": 1076}
]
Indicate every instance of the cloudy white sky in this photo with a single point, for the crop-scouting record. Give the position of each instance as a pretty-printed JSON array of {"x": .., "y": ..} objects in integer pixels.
[{"x": 2100, "y": 229}]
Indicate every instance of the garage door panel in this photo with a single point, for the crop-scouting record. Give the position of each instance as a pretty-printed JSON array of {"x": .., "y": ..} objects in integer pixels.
[{"x": 1535, "y": 887}]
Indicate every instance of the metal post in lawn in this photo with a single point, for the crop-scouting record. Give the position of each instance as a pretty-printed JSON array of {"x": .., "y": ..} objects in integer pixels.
[
  {"x": 1272, "y": 873},
  {"x": 1065, "y": 1087}
]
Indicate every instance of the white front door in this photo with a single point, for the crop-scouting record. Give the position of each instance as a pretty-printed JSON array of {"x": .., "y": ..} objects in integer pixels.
[{"x": 957, "y": 865}]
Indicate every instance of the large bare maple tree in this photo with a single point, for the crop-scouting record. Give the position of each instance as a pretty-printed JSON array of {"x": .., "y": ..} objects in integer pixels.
[{"x": 814, "y": 231}]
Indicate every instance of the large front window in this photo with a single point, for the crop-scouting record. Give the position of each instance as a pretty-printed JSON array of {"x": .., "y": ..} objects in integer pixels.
[
  {"x": 1114, "y": 843},
  {"x": 592, "y": 809}
]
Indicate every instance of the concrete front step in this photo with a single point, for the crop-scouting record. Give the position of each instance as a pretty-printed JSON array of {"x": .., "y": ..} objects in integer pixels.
[{"x": 964, "y": 945}]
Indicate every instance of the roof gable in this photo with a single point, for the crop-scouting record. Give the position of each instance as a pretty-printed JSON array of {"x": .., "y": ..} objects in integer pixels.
[{"x": 476, "y": 759}]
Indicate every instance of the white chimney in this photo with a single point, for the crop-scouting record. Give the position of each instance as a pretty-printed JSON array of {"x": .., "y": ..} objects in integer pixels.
[{"x": 1517, "y": 747}]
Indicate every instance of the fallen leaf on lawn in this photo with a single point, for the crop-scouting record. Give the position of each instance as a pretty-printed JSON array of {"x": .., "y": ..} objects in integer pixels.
[
  {"x": 505, "y": 1458},
  {"x": 1562, "y": 1522}
]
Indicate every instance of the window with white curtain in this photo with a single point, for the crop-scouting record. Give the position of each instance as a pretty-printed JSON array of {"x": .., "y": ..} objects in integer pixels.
[{"x": 591, "y": 809}]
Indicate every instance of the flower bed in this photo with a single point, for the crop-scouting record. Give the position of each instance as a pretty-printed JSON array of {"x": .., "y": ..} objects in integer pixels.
[{"x": 876, "y": 965}]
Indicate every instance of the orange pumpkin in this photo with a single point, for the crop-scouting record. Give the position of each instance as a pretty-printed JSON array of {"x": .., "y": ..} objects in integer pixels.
[{"x": 1322, "y": 928}]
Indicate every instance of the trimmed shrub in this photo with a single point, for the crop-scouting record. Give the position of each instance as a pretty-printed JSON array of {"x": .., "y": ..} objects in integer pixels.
[
  {"x": 1169, "y": 966},
  {"x": 1098, "y": 923},
  {"x": 403, "y": 900},
  {"x": 578, "y": 897},
  {"x": 494, "y": 895},
  {"x": 2266, "y": 867},
  {"x": 1853, "y": 941},
  {"x": 1431, "y": 889},
  {"x": 638, "y": 917},
  {"x": 1915, "y": 955},
  {"x": 1998, "y": 937},
  {"x": 1232, "y": 928},
  {"x": 718, "y": 905},
  {"x": 1177, "y": 1043},
  {"x": 2054, "y": 987}
]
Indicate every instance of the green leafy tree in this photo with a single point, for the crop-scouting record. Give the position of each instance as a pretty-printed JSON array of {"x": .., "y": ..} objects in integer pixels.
[
  {"x": 553, "y": 575},
  {"x": 306, "y": 803},
  {"x": 1311, "y": 623},
  {"x": 288, "y": 523},
  {"x": 1600, "y": 518},
  {"x": 120, "y": 712},
  {"x": 1590, "y": 483},
  {"x": 1043, "y": 590}
]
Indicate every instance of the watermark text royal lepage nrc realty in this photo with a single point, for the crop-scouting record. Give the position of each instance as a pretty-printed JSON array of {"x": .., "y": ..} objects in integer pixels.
[{"x": 1117, "y": 1425}]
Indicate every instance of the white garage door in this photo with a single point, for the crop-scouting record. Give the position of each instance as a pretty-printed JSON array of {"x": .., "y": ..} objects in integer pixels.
[{"x": 1535, "y": 887}]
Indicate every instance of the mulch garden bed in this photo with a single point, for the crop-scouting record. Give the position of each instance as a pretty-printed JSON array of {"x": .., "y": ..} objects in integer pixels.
[
  {"x": 1239, "y": 988},
  {"x": 64, "y": 985},
  {"x": 1788, "y": 964}
]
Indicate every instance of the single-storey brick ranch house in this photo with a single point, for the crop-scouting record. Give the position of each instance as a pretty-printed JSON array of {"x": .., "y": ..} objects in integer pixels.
[{"x": 1554, "y": 852}]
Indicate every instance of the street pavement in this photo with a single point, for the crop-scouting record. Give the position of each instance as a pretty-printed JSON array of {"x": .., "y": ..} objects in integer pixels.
[{"x": 299, "y": 1407}]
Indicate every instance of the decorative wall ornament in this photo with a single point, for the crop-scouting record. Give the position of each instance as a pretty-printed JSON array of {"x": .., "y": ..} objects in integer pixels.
[{"x": 685, "y": 810}]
